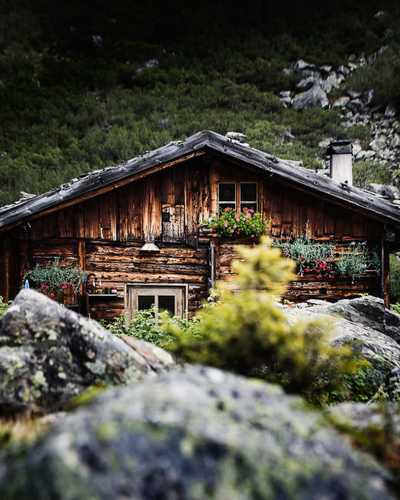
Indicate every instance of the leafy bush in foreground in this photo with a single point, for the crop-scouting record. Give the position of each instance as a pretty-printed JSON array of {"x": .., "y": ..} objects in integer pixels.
[
  {"x": 246, "y": 332},
  {"x": 147, "y": 325}
]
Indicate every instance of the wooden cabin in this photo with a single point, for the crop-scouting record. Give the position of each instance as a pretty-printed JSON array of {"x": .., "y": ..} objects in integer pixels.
[{"x": 137, "y": 228}]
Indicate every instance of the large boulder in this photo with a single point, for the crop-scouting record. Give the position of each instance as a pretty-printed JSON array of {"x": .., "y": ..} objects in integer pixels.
[
  {"x": 198, "y": 434},
  {"x": 48, "y": 354},
  {"x": 314, "y": 97},
  {"x": 364, "y": 323}
]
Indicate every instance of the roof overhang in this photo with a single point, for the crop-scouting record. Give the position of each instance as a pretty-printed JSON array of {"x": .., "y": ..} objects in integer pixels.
[{"x": 111, "y": 178}]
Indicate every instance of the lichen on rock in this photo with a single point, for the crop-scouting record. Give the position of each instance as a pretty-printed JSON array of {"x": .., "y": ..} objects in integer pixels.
[{"x": 49, "y": 354}]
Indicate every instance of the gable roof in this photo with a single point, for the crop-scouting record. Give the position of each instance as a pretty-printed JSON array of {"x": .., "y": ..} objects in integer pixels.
[{"x": 100, "y": 181}]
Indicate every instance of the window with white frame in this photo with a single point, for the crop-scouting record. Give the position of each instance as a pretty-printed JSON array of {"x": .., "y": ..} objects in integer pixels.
[
  {"x": 170, "y": 298},
  {"x": 238, "y": 196}
]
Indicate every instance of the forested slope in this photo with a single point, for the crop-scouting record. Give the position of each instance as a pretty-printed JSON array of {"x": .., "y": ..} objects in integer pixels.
[{"x": 85, "y": 86}]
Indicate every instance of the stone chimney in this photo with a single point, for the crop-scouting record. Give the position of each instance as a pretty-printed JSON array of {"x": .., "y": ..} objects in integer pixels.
[{"x": 340, "y": 154}]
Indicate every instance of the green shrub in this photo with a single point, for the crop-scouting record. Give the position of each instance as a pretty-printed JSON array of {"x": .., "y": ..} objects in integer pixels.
[
  {"x": 367, "y": 172},
  {"x": 3, "y": 307},
  {"x": 307, "y": 254},
  {"x": 247, "y": 333},
  {"x": 147, "y": 325},
  {"x": 53, "y": 278},
  {"x": 394, "y": 279}
]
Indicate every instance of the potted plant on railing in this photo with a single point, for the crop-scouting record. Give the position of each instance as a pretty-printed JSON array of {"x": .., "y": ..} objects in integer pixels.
[
  {"x": 58, "y": 283},
  {"x": 229, "y": 224},
  {"x": 322, "y": 259}
]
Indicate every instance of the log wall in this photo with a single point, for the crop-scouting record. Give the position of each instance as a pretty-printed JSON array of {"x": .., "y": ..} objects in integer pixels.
[
  {"x": 310, "y": 285},
  {"x": 104, "y": 235}
]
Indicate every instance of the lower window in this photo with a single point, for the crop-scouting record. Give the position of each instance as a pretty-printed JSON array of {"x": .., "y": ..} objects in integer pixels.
[{"x": 170, "y": 298}]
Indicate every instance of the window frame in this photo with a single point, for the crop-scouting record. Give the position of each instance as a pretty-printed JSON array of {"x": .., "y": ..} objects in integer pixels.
[
  {"x": 238, "y": 199},
  {"x": 177, "y": 290}
]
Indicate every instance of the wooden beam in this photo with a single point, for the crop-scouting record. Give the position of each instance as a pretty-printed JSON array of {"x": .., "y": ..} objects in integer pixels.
[
  {"x": 82, "y": 259},
  {"x": 385, "y": 281},
  {"x": 385, "y": 274}
]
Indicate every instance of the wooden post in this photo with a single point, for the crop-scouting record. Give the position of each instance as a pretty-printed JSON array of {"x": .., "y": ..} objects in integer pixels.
[
  {"x": 82, "y": 258},
  {"x": 385, "y": 274},
  {"x": 6, "y": 270}
]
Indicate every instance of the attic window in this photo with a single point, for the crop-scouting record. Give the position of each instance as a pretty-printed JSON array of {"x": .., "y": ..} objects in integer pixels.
[{"x": 239, "y": 196}]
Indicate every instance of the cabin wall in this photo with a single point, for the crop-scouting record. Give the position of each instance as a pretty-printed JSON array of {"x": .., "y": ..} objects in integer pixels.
[
  {"x": 104, "y": 235},
  {"x": 309, "y": 286}
]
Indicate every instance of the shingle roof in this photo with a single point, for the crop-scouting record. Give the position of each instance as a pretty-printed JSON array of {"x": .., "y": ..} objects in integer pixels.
[{"x": 378, "y": 207}]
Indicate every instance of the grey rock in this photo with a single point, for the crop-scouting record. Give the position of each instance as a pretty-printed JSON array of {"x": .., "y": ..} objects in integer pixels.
[
  {"x": 198, "y": 434},
  {"x": 150, "y": 64},
  {"x": 395, "y": 143},
  {"x": 369, "y": 417},
  {"x": 354, "y": 94},
  {"x": 344, "y": 70},
  {"x": 308, "y": 82},
  {"x": 332, "y": 82},
  {"x": 355, "y": 105},
  {"x": 390, "y": 112},
  {"x": 378, "y": 144},
  {"x": 368, "y": 96},
  {"x": 325, "y": 142},
  {"x": 326, "y": 68},
  {"x": 301, "y": 65},
  {"x": 285, "y": 93},
  {"x": 363, "y": 322},
  {"x": 49, "y": 354},
  {"x": 236, "y": 136},
  {"x": 287, "y": 136},
  {"x": 366, "y": 155},
  {"x": 341, "y": 102},
  {"x": 391, "y": 192},
  {"x": 314, "y": 97}
]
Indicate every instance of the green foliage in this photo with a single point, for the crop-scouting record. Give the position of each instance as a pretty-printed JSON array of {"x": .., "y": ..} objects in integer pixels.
[
  {"x": 356, "y": 262},
  {"x": 3, "y": 307},
  {"x": 394, "y": 280},
  {"x": 147, "y": 325},
  {"x": 247, "y": 333},
  {"x": 68, "y": 107},
  {"x": 312, "y": 257},
  {"x": 367, "y": 172},
  {"x": 229, "y": 224},
  {"x": 53, "y": 278},
  {"x": 382, "y": 76},
  {"x": 308, "y": 255}
]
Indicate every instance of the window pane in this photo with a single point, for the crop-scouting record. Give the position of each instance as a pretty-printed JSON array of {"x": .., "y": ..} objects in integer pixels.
[
  {"x": 166, "y": 303},
  {"x": 248, "y": 206},
  {"x": 227, "y": 192},
  {"x": 145, "y": 302},
  {"x": 248, "y": 191}
]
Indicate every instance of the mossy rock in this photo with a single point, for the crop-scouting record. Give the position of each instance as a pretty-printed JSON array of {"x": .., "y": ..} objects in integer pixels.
[
  {"x": 200, "y": 433},
  {"x": 49, "y": 355}
]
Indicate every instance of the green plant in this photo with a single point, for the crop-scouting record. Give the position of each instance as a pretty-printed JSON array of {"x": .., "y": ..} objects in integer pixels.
[
  {"x": 147, "y": 325},
  {"x": 247, "y": 333},
  {"x": 53, "y": 278},
  {"x": 231, "y": 225},
  {"x": 308, "y": 255},
  {"x": 3, "y": 307},
  {"x": 394, "y": 279},
  {"x": 356, "y": 261}
]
